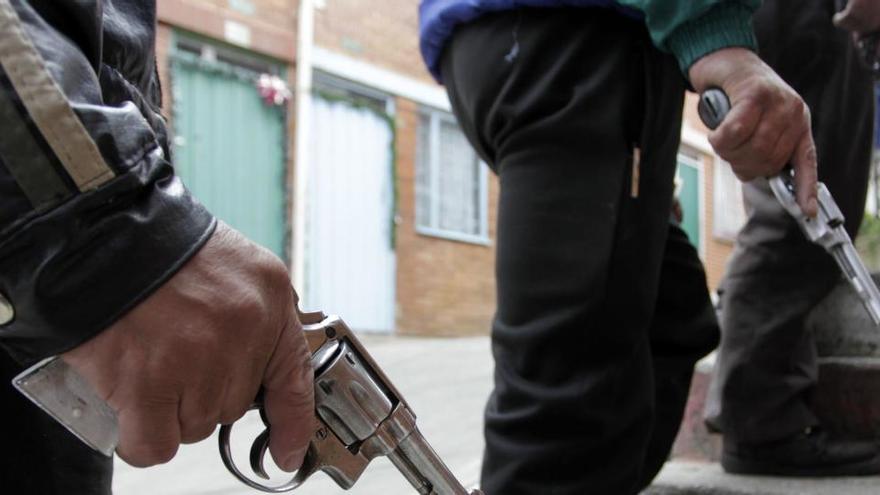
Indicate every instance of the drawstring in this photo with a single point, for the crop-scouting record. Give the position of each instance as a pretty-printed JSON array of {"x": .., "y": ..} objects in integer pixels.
[{"x": 514, "y": 50}]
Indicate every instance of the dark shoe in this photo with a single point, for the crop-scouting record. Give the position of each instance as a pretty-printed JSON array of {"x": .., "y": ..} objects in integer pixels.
[{"x": 811, "y": 453}]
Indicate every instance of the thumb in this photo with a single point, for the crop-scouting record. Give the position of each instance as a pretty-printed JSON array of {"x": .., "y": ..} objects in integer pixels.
[{"x": 289, "y": 397}]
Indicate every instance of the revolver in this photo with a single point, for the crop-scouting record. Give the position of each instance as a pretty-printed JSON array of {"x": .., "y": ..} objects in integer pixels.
[
  {"x": 826, "y": 229},
  {"x": 359, "y": 415}
]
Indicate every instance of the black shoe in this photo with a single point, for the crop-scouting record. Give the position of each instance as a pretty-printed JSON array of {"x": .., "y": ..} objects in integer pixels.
[{"x": 811, "y": 453}]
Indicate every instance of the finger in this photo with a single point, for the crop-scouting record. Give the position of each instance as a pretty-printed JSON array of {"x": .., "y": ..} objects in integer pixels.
[
  {"x": 806, "y": 175},
  {"x": 738, "y": 127},
  {"x": 844, "y": 18},
  {"x": 289, "y": 399},
  {"x": 791, "y": 137},
  {"x": 761, "y": 150},
  {"x": 777, "y": 139},
  {"x": 240, "y": 393},
  {"x": 851, "y": 19},
  {"x": 149, "y": 432},
  {"x": 199, "y": 410}
]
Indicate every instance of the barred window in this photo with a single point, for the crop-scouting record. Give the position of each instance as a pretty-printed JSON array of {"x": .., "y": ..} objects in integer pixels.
[{"x": 451, "y": 182}]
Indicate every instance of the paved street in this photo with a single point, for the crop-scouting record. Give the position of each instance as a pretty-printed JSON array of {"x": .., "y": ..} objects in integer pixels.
[
  {"x": 699, "y": 478},
  {"x": 446, "y": 381}
]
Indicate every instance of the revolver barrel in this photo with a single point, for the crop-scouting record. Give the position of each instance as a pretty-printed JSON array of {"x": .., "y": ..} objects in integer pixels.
[{"x": 827, "y": 231}]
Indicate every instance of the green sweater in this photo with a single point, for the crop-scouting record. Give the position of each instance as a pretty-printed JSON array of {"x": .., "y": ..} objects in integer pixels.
[{"x": 690, "y": 29}]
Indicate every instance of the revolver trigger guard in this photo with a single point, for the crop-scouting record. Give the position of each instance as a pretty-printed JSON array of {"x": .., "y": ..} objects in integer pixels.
[{"x": 310, "y": 464}]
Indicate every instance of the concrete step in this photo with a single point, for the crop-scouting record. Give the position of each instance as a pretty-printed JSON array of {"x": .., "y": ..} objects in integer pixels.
[
  {"x": 701, "y": 478},
  {"x": 694, "y": 442},
  {"x": 847, "y": 401}
]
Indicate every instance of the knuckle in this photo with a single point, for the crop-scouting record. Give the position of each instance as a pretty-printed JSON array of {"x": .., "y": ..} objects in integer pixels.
[
  {"x": 232, "y": 414},
  {"x": 743, "y": 169},
  {"x": 250, "y": 306},
  {"x": 764, "y": 148},
  {"x": 810, "y": 154},
  {"x": 737, "y": 130},
  {"x": 151, "y": 454},
  {"x": 196, "y": 433},
  {"x": 272, "y": 268},
  {"x": 164, "y": 453},
  {"x": 743, "y": 175}
]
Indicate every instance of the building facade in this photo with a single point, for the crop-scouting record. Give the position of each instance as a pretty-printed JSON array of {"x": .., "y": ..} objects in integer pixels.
[
  {"x": 387, "y": 240},
  {"x": 231, "y": 147},
  {"x": 444, "y": 222}
]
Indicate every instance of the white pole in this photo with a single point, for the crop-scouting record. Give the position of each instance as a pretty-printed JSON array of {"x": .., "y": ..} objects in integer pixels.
[{"x": 303, "y": 91}]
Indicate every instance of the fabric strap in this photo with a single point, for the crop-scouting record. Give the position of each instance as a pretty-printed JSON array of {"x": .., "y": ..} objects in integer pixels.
[
  {"x": 27, "y": 160},
  {"x": 48, "y": 107}
]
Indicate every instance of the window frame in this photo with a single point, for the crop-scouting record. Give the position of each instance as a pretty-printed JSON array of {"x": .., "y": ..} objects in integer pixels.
[{"x": 431, "y": 156}]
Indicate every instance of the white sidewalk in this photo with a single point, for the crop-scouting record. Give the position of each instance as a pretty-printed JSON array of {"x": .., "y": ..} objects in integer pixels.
[{"x": 446, "y": 382}]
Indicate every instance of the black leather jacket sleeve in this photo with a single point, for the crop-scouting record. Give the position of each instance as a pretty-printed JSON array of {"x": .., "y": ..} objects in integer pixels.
[{"x": 75, "y": 257}]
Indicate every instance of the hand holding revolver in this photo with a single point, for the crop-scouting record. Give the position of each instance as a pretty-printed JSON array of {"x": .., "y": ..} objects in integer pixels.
[
  {"x": 768, "y": 125},
  {"x": 194, "y": 353},
  {"x": 222, "y": 336}
]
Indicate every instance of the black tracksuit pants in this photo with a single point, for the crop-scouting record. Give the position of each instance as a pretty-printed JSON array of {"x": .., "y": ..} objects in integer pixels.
[
  {"x": 767, "y": 365},
  {"x": 602, "y": 304}
]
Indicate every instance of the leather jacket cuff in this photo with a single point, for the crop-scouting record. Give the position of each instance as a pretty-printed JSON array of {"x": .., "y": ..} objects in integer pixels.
[{"x": 74, "y": 270}]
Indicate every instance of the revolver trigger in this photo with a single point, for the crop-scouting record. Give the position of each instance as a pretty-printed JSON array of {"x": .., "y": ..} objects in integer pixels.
[{"x": 258, "y": 453}]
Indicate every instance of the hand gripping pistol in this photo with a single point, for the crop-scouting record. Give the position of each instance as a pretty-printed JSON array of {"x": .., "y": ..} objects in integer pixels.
[
  {"x": 825, "y": 230},
  {"x": 360, "y": 415}
]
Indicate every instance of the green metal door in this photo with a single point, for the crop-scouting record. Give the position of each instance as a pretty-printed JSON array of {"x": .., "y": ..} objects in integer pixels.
[
  {"x": 229, "y": 147},
  {"x": 689, "y": 196}
]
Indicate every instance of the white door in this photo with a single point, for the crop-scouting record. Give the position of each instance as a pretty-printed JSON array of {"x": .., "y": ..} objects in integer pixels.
[{"x": 350, "y": 263}]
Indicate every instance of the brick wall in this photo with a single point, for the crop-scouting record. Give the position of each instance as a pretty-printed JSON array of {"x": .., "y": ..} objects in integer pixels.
[
  {"x": 716, "y": 251},
  {"x": 164, "y": 40},
  {"x": 271, "y": 24},
  {"x": 443, "y": 287},
  {"x": 381, "y": 33}
]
